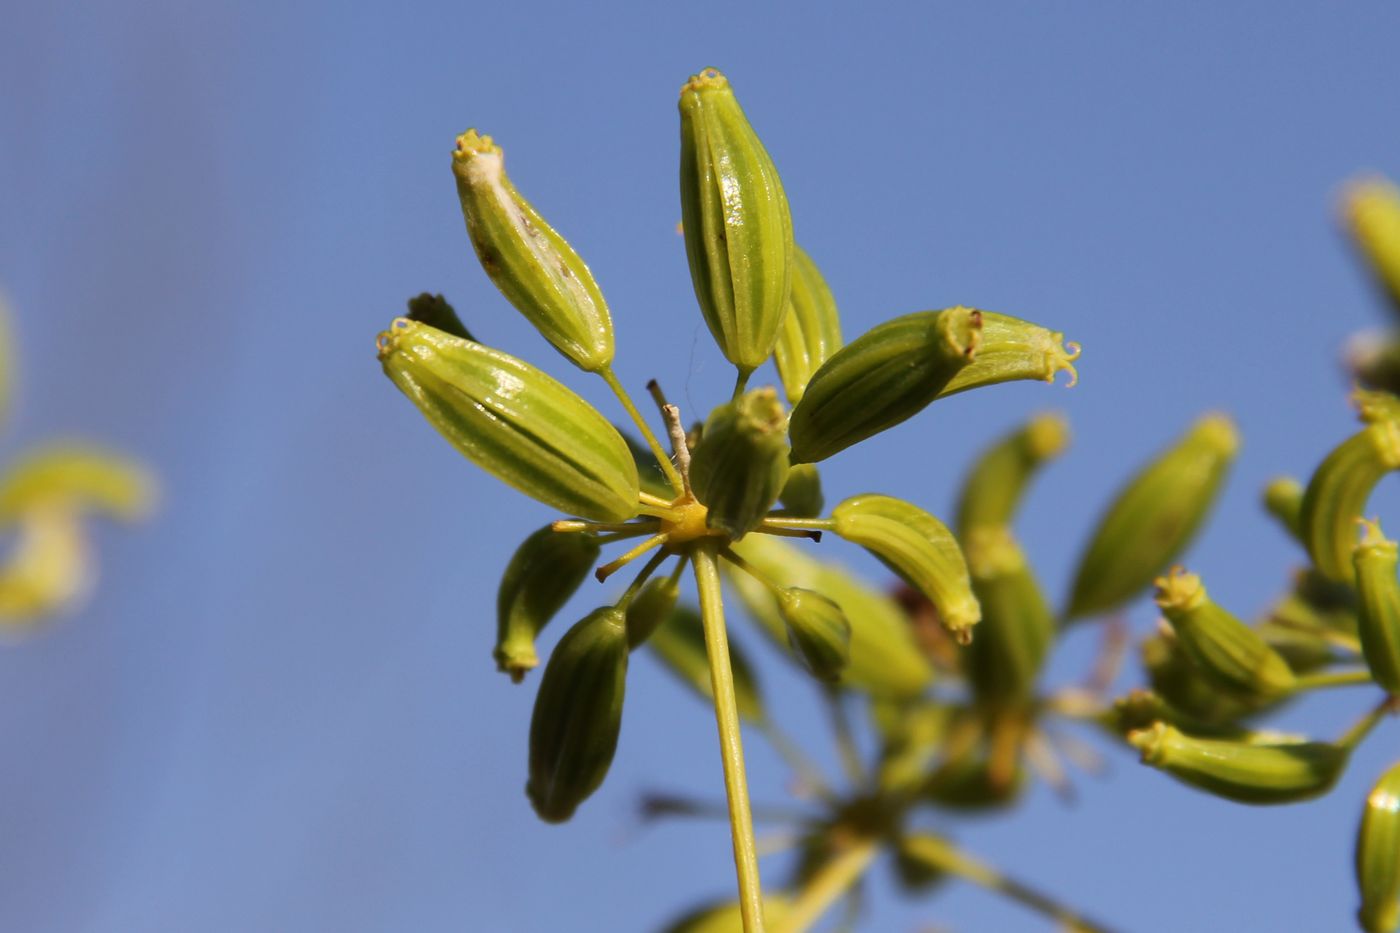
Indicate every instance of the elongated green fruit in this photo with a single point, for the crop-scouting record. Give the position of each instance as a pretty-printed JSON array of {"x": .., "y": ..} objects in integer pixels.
[
  {"x": 543, "y": 573},
  {"x": 738, "y": 232},
  {"x": 1372, "y": 214},
  {"x": 1140, "y": 709},
  {"x": 514, "y": 422},
  {"x": 993, "y": 487},
  {"x": 1283, "y": 499},
  {"x": 434, "y": 311},
  {"x": 818, "y": 632},
  {"x": 1228, "y": 652},
  {"x": 1378, "y": 856},
  {"x": 534, "y": 267},
  {"x": 919, "y": 548},
  {"x": 1017, "y": 626},
  {"x": 1338, "y": 491},
  {"x": 77, "y": 478},
  {"x": 1262, "y": 772},
  {"x": 742, "y": 461},
  {"x": 811, "y": 329},
  {"x": 1175, "y": 677},
  {"x": 885, "y": 376},
  {"x": 679, "y": 644},
  {"x": 1379, "y": 618},
  {"x": 578, "y": 714},
  {"x": 802, "y": 492},
  {"x": 1011, "y": 350},
  {"x": 651, "y": 607},
  {"x": 1153, "y": 518},
  {"x": 885, "y": 659}
]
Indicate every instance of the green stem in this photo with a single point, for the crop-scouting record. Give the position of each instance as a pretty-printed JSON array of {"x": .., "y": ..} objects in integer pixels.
[
  {"x": 780, "y": 523},
  {"x": 663, "y": 459},
  {"x": 834, "y": 879},
  {"x": 1366, "y": 723},
  {"x": 731, "y": 744},
  {"x": 640, "y": 580},
  {"x": 1332, "y": 679},
  {"x": 741, "y": 383}
]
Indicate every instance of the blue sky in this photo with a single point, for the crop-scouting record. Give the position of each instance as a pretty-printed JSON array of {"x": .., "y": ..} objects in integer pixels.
[{"x": 279, "y": 711}]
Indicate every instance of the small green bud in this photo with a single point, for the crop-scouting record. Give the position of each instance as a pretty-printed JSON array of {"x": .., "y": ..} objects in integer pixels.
[
  {"x": 1012, "y": 349},
  {"x": 741, "y": 464},
  {"x": 885, "y": 376},
  {"x": 543, "y": 573},
  {"x": 1338, "y": 491},
  {"x": 1228, "y": 652},
  {"x": 1372, "y": 214},
  {"x": 1283, "y": 499},
  {"x": 1153, "y": 518},
  {"x": 738, "y": 232},
  {"x": 649, "y": 608},
  {"x": 75, "y": 478},
  {"x": 679, "y": 644},
  {"x": 993, "y": 487},
  {"x": 811, "y": 329},
  {"x": 919, "y": 548},
  {"x": 726, "y": 916},
  {"x": 534, "y": 267},
  {"x": 1379, "y": 619},
  {"x": 434, "y": 311},
  {"x": 513, "y": 421},
  {"x": 1254, "y": 772},
  {"x": 1378, "y": 856},
  {"x": 1017, "y": 627},
  {"x": 578, "y": 714},
  {"x": 802, "y": 493},
  {"x": 818, "y": 632}
]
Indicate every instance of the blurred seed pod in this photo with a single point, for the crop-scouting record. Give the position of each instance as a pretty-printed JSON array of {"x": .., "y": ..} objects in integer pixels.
[
  {"x": 1338, "y": 491},
  {"x": 914, "y": 736},
  {"x": 741, "y": 464},
  {"x": 1141, "y": 709},
  {"x": 48, "y": 570},
  {"x": 919, "y": 548},
  {"x": 543, "y": 573},
  {"x": 885, "y": 376},
  {"x": 652, "y": 606},
  {"x": 1253, "y": 772},
  {"x": 1371, "y": 212},
  {"x": 818, "y": 632},
  {"x": 914, "y": 873},
  {"x": 974, "y": 777},
  {"x": 1017, "y": 627},
  {"x": 78, "y": 479},
  {"x": 992, "y": 489},
  {"x": 802, "y": 492},
  {"x": 1011, "y": 350},
  {"x": 1173, "y": 676},
  {"x": 578, "y": 714},
  {"x": 725, "y": 916},
  {"x": 514, "y": 421},
  {"x": 534, "y": 267},
  {"x": 1378, "y": 856},
  {"x": 1283, "y": 499},
  {"x": 811, "y": 329},
  {"x": 734, "y": 214},
  {"x": 1153, "y": 518},
  {"x": 1379, "y": 618},
  {"x": 679, "y": 644},
  {"x": 434, "y": 311}
]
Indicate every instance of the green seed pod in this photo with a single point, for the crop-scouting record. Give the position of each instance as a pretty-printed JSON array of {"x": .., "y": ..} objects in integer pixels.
[
  {"x": 1177, "y": 679},
  {"x": 914, "y": 737},
  {"x": 1283, "y": 499},
  {"x": 802, "y": 493},
  {"x": 1017, "y": 626},
  {"x": 918, "y": 547},
  {"x": 738, "y": 232},
  {"x": 1338, "y": 491},
  {"x": 434, "y": 311},
  {"x": 885, "y": 376},
  {"x": 1263, "y": 772},
  {"x": 1141, "y": 709},
  {"x": 534, "y": 267},
  {"x": 514, "y": 421},
  {"x": 649, "y": 608},
  {"x": 818, "y": 632},
  {"x": 544, "y": 572},
  {"x": 1303, "y": 650},
  {"x": 811, "y": 329},
  {"x": 1372, "y": 214},
  {"x": 741, "y": 464},
  {"x": 1379, "y": 619},
  {"x": 968, "y": 781},
  {"x": 1012, "y": 349},
  {"x": 1375, "y": 405},
  {"x": 885, "y": 660},
  {"x": 76, "y": 478},
  {"x": 1378, "y": 856},
  {"x": 993, "y": 488},
  {"x": 48, "y": 570},
  {"x": 1228, "y": 652},
  {"x": 726, "y": 917},
  {"x": 679, "y": 644},
  {"x": 578, "y": 714},
  {"x": 1153, "y": 518}
]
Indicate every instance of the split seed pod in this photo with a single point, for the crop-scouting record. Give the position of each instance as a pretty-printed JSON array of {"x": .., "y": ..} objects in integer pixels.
[
  {"x": 679, "y": 644},
  {"x": 994, "y": 486},
  {"x": 802, "y": 493},
  {"x": 1228, "y": 652},
  {"x": 1012, "y": 349},
  {"x": 534, "y": 267},
  {"x": 514, "y": 421},
  {"x": 738, "y": 232},
  {"x": 649, "y": 608},
  {"x": 1263, "y": 772},
  {"x": 1379, "y": 619},
  {"x": 1372, "y": 213},
  {"x": 919, "y": 548},
  {"x": 1338, "y": 491},
  {"x": 1153, "y": 518},
  {"x": 578, "y": 714},
  {"x": 741, "y": 464},
  {"x": 818, "y": 632},
  {"x": 1378, "y": 856},
  {"x": 1017, "y": 626},
  {"x": 811, "y": 329},
  {"x": 543, "y": 573},
  {"x": 885, "y": 376}
]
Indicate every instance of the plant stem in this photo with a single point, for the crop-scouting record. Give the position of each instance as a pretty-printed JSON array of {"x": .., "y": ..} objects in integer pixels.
[
  {"x": 662, "y": 458},
  {"x": 731, "y": 745},
  {"x": 1366, "y": 723},
  {"x": 834, "y": 879},
  {"x": 800, "y": 524},
  {"x": 1332, "y": 679},
  {"x": 741, "y": 383}
]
